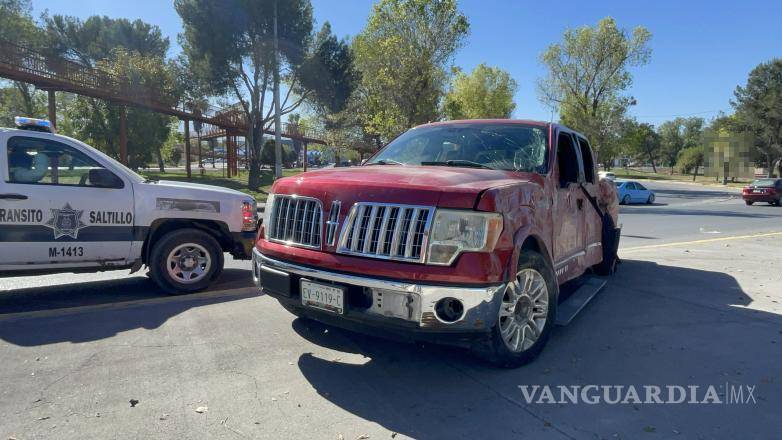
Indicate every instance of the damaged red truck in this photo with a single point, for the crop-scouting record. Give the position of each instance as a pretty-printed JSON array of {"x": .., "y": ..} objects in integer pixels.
[{"x": 456, "y": 232}]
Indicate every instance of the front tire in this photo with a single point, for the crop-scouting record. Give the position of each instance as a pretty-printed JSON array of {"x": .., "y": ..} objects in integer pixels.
[
  {"x": 185, "y": 261},
  {"x": 650, "y": 200},
  {"x": 526, "y": 314},
  {"x": 626, "y": 200}
]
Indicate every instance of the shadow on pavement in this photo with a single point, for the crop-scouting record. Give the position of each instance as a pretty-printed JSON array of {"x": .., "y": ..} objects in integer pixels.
[
  {"x": 653, "y": 324},
  {"x": 91, "y": 293},
  {"x": 66, "y": 323}
]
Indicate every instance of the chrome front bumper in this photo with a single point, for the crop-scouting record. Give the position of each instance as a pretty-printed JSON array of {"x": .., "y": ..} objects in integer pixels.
[{"x": 396, "y": 301}]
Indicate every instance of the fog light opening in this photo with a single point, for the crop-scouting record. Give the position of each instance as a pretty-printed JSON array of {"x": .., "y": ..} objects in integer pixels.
[{"x": 449, "y": 310}]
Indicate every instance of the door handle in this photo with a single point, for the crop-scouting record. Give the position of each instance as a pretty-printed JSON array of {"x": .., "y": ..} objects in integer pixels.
[{"x": 13, "y": 196}]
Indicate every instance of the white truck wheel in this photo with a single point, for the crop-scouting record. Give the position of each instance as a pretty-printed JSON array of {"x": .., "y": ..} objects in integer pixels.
[{"x": 185, "y": 261}]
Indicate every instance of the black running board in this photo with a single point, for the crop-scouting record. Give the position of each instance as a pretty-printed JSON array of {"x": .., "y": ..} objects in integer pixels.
[{"x": 568, "y": 309}]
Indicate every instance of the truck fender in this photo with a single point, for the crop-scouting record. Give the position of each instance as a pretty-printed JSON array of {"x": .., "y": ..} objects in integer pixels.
[{"x": 529, "y": 237}]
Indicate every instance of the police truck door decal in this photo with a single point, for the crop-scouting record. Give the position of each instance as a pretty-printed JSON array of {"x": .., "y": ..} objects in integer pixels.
[{"x": 66, "y": 222}]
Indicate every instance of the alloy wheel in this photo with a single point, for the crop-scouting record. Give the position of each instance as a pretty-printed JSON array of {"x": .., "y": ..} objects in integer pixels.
[{"x": 524, "y": 310}]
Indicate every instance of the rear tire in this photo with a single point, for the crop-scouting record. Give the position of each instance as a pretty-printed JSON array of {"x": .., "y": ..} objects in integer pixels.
[
  {"x": 185, "y": 261},
  {"x": 748, "y": 202},
  {"x": 526, "y": 315}
]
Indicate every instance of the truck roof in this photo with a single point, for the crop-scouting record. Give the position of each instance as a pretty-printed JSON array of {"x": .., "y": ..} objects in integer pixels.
[
  {"x": 489, "y": 121},
  {"x": 19, "y": 130},
  {"x": 542, "y": 124},
  {"x": 35, "y": 133}
]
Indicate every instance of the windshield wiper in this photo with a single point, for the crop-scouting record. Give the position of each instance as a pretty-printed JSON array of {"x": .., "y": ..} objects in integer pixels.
[
  {"x": 386, "y": 162},
  {"x": 459, "y": 163}
]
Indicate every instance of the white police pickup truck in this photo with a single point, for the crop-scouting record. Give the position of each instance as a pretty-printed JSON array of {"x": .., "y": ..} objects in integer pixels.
[{"x": 67, "y": 207}]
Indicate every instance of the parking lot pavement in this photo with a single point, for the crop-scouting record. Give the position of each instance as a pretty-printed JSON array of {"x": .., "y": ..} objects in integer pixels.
[{"x": 233, "y": 364}]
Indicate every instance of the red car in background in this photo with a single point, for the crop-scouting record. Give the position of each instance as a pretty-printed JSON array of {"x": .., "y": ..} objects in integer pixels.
[{"x": 763, "y": 190}]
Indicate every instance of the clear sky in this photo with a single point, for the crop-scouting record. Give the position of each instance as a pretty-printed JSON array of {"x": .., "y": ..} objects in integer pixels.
[{"x": 701, "y": 50}]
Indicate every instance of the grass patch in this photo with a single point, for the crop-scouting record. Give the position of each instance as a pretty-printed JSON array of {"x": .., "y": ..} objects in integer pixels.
[
  {"x": 216, "y": 178},
  {"x": 636, "y": 174}
]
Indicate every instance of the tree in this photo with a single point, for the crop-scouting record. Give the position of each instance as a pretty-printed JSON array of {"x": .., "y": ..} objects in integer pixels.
[
  {"x": 335, "y": 104},
  {"x": 148, "y": 131},
  {"x": 587, "y": 75},
  {"x": 230, "y": 45},
  {"x": 677, "y": 135},
  {"x": 690, "y": 159},
  {"x": 96, "y": 37},
  {"x": 403, "y": 54},
  {"x": 134, "y": 52},
  {"x": 643, "y": 142},
  {"x": 487, "y": 92},
  {"x": 17, "y": 25},
  {"x": 758, "y": 107}
]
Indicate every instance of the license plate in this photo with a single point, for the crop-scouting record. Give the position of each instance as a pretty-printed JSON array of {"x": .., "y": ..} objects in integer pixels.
[
  {"x": 322, "y": 296},
  {"x": 758, "y": 191}
]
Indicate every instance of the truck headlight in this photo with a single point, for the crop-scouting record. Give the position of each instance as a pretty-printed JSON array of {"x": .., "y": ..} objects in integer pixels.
[
  {"x": 267, "y": 214},
  {"x": 249, "y": 215},
  {"x": 456, "y": 231}
]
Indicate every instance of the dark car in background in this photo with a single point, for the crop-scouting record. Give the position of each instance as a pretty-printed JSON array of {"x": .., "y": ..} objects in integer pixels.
[{"x": 763, "y": 190}]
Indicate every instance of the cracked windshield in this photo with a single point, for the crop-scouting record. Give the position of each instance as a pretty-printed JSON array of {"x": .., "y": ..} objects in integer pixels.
[{"x": 390, "y": 219}]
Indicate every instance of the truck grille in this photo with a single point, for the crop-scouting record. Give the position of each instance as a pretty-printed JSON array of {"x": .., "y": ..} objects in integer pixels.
[
  {"x": 296, "y": 221},
  {"x": 388, "y": 231}
]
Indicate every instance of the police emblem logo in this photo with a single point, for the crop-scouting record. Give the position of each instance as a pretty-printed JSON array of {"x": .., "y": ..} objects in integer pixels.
[{"x": 66, "y": 222}]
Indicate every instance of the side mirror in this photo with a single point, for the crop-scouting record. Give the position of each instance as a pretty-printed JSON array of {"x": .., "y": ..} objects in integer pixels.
[{"x": 103, "y": 178}]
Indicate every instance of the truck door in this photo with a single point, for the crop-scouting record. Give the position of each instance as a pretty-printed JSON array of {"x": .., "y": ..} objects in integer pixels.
[
  {"x": 60, "y": 207},
  {"x": 592, "y": 221},
  {"x": 568, "y": 207}
]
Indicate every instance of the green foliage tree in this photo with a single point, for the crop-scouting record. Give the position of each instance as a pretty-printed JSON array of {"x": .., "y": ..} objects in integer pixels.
[
  {"x": 758, "y": 107},
  {"x": 643, "y": 142},
  {"x": 229, "y": 44},
  {"x": 19, "y": 98},
  {"x": 690, "y": 160},
  {"x": 96, "y": 37},
  {"x": 587, "y": 75},
  {"x": 134, "y": 52},
  {"x": 677, "y": 135},
  {"x": 487, "y": 92},
  {"x": 403, "y": 54},
  {"x": 267, "y": 156}
]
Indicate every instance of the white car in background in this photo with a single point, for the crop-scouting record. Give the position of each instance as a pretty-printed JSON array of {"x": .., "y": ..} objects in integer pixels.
[{"x": 606, "y": 175}]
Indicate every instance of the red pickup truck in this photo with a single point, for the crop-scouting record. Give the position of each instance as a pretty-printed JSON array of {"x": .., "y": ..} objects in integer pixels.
[{"x": 456, "y": 232}]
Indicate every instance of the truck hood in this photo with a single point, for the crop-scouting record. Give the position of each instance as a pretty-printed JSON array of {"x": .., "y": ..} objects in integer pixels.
[
  {"x": 448, "y": 187},
  {"x": 195, "y": 189}
]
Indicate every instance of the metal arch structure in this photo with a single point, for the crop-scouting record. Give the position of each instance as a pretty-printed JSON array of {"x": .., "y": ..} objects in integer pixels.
[{"x": 54, "y": 73}]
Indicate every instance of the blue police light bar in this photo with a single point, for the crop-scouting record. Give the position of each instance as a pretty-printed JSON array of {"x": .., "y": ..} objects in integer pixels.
[{"x": 24, "y": 123}]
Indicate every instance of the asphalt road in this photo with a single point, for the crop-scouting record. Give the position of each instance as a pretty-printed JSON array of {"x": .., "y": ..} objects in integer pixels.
[
  {"x": 78, "y": 350},
  {"x": 684, "y": 212}
]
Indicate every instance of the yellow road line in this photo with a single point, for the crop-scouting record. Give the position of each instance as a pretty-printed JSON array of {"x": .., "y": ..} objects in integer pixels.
[
  {"x": 706, "y": 240},
  {"x": 126, "y": 304}
]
